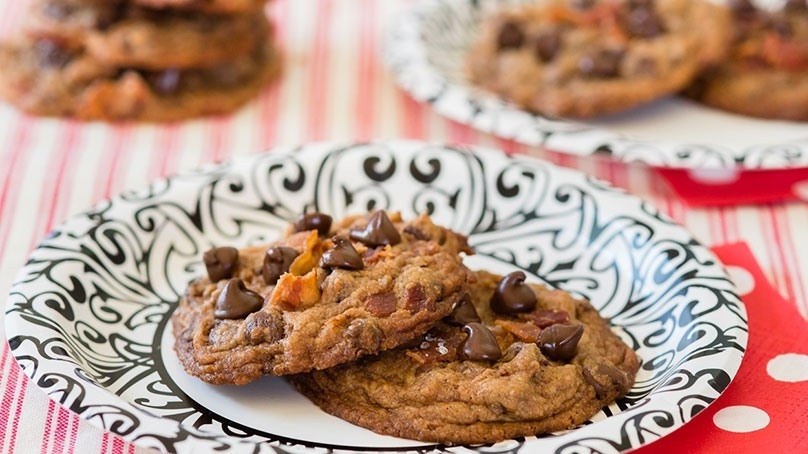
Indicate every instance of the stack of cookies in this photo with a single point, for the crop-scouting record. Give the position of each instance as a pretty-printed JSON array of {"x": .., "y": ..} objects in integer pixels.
[
  {"x": 765, "y": 73},
  {"x": 143, "y": 60},
  {"x": 377, "y": 320},
  {"x": 585, "y": 58}
]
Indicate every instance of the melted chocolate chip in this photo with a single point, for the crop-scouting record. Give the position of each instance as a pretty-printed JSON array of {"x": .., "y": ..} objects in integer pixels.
[
  {"x": 510, "y": 36},
  {"x": 463, "y": 313},
  {"x": 220, "y": 262},
  {"x": 264, "y": 326},
  {"x": 604, "y": 63},
  {"x": 560, "y": 342},
  {"x": 277, "y": 261},
  {"x": 548, "y": 42},
  {"x": 313, "y": 221},
  {"x": 417, "y": 233},
  {"x": 513, "y": 295},
  {"x": 342, "y": 255},
  {"x": 643, "y": 22},
  {"x": 237, "y": 301},
  {"x": 380, "y": 231},
  {"x": 480, "y": 345},
  {"x": 606, "y": 379}
]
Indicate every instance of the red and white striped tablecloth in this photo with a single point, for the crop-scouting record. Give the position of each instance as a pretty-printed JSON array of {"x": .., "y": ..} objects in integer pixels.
[{"x": 334, "y": 86}]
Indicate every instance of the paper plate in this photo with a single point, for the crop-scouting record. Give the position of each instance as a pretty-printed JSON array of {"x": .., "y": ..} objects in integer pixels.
[{"x": 87, "y": 316}]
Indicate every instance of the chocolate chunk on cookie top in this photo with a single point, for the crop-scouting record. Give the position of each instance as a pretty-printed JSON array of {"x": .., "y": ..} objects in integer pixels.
[
  {"x": 319, "y": 297},
  {"x": 571, "y": 58},
  {"x": 482, "y": 374}
]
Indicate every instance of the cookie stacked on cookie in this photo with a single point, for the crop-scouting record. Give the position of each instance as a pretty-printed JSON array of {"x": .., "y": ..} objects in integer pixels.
[
  {"x": 378, "y": 321},
  {"x": 584, "y": 58},
  {"x": 144, "y": 60},
  {"x": 766, "y": 72}
]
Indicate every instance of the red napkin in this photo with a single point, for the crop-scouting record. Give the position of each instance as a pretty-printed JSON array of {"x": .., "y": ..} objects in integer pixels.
[
  {"x": 765, "y": 408},
  {"x": 704, "y": 187}
]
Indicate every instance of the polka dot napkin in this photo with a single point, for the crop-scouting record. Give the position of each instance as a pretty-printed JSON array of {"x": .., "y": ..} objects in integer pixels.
[{"x": 765, "y": 408}]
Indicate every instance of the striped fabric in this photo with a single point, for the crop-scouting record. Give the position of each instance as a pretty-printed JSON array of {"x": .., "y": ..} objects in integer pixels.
[{"x": 333, "y": 87}]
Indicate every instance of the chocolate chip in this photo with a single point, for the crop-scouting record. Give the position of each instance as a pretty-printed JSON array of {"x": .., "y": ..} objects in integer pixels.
[
  {"x": 220, "y": 262},
  {"x": 417, "y": 233},
  {"x": 582, "y": 4},
  {"x": 560, "y": 342},
  {"x": 510, "y": 36},
  {"x": 50, "y": 54},
  {"x": 379, "y": 231},
  {"x": 606, "y": 379},
  {"x": 111, "y": 13},
  {"x": 313, "y": 221},
  {"x": 513, "y": 295},
  {"x": 781, "y": 26},
  {"x": 236, "y": 300},
  {"x": 277, "y": 261},
  {"x": 264, "y": 327},
  {"x": 480, "y": 345},
  {"x": 548, "y": 42},
  {"x": 56, "y": 10},
  {"x": 604, "y": 63},
  {"x": 166, "y": 82},
  {"x": 342, "y": 255},
  {"x": 463, "y": 313},
  {"x": 643, "y": 22}
]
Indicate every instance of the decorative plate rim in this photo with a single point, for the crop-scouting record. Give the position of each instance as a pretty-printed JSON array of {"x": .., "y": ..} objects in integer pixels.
[{"x": 54, "y": 368}]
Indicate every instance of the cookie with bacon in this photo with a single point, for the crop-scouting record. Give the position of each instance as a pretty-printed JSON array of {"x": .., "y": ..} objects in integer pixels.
[
  {"x": 585, "y": 58},
  {"x": 322, "y": 296},
  {"x": 512, "y": 360},
  {"x": 766, "y": 72}
]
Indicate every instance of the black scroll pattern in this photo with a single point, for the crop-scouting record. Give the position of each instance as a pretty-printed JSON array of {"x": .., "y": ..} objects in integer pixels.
[
  {"x": 425, "y": 51},
  {"x": 86, "y": 314}
]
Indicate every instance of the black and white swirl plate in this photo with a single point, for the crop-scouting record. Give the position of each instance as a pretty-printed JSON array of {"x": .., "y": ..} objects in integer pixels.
[
  {"x": 87, "y": 316},
  {"x": 425, "y": 49}
]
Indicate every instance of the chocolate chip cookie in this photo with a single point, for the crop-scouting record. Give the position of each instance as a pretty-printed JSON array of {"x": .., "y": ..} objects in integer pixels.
[
  {"x": 583, "y": 58},
  {"x": 512, "y": 360},
  {"x": 322, "y": 296},
  {"x": 43, "y": 77},
  {"x": 766, "y": 72},
  {"x": 122, "y": 34}
]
